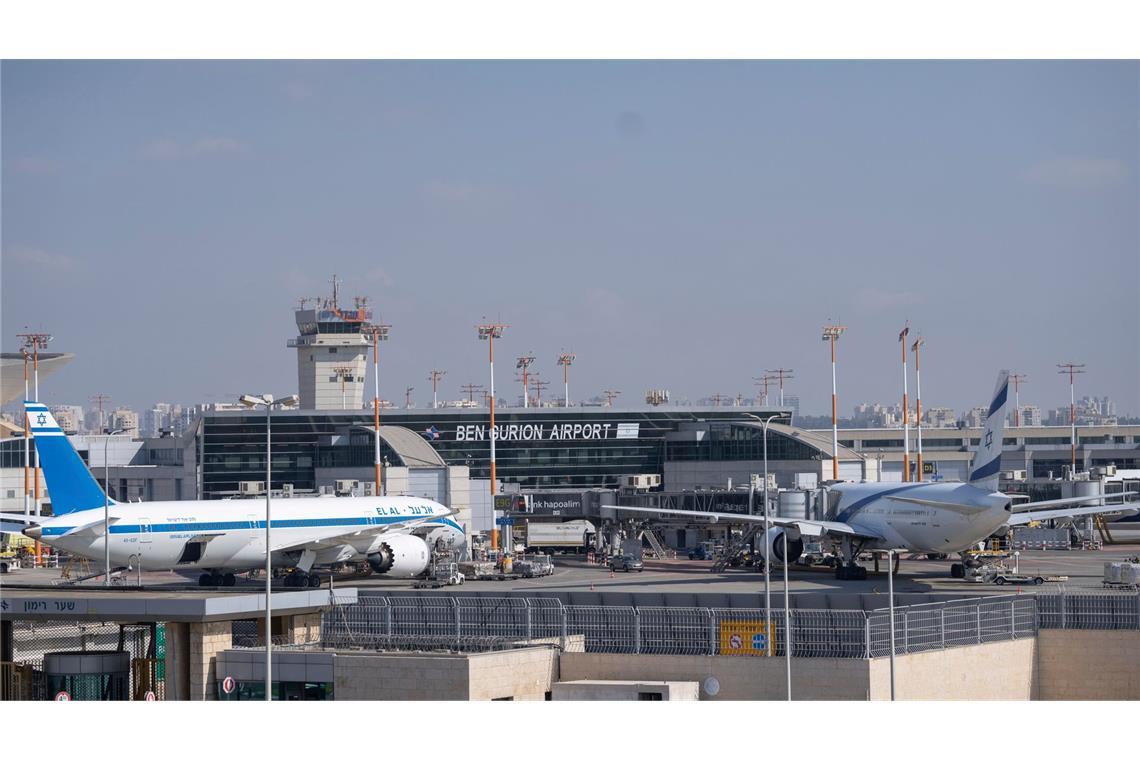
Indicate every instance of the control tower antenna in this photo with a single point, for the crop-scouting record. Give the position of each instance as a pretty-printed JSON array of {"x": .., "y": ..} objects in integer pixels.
[
  {"x": 1070, "y": 369},
  {"x": 435, "y": 376},
  {"x": 781, "y": 375},
  {"x": 831, "y": 332},
  {"x": 524, "y": 363},
  {"x": 470, "y": 389},
  {"x": 565, "y": 359},
  {"x": 1017, "y": 380},
  {"x": 610, "y": 396}
]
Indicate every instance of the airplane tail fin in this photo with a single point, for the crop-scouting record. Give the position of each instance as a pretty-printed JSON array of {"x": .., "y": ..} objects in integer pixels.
[
  {"x": 985, "y": 467},
  {"x": 70, "y": 484}
]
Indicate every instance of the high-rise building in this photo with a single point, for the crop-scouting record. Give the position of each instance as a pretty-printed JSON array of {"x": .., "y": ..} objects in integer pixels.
[
  {"x": 332, "y": 351},
  {"x": 70, "y": 418},
  {"x": 156, "y": 419},
  {"x": 792, "y": 401},
  {"x": 1030, "y": 416},
  {"x": 940, "y": 416},
  {"x": 126, "y": 420},
  {"x": 976, "y": 417}
]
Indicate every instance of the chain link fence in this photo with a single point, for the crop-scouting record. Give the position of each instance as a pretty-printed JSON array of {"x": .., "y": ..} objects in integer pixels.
[{"x": 471, "y": 622}]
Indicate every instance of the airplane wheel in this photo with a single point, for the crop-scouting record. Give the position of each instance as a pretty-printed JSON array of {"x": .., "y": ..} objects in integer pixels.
[
  {"x": 314, "y": 581},
  {"x": 229, "y": 580},
  {"x": 861, "y": 574},
  {"x": 957, "y": 570},
  {"x": 840, "y": 572},
  {"x": 206, "y": 580}
]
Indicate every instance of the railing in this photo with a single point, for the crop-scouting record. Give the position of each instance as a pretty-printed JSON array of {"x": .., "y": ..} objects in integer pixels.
[
  {"x": 443, "y": 621},
  {"x": 1109, "y": 610}
]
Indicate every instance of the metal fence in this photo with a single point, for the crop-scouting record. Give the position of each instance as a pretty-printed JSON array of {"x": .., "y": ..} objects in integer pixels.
[
  {"x": 23, "y": 677},
  {"x": 1119, "y": 610},
  {"x": 447, "y": 622}
]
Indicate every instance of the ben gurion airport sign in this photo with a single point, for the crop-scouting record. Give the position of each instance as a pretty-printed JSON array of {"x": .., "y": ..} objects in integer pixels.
[{"x": 564, "y": 431}]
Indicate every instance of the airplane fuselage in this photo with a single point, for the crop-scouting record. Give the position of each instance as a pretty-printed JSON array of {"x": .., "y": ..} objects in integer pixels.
[
  {"x": 976, "y": 514},
  {"x": 230, "y": 534}
]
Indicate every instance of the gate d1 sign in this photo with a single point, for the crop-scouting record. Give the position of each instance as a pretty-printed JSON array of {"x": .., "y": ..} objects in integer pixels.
[{"x": 745, "y": 637}]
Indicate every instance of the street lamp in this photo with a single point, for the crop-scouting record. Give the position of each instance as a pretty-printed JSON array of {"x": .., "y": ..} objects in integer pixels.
[
  {"x": 253, "y": 402},
  {"x": 765, "y": 422},
  {"x": 891, "y": 604},
  {"x": 107, "y": 508}
]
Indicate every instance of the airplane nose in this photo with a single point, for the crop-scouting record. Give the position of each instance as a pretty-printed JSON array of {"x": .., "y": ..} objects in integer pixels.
[{"x": 34, "y": 532}]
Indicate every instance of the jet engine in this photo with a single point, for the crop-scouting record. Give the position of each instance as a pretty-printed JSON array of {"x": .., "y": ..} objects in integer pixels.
[
  {"x": 775, "y": 546},
  {"x": 400, "y": 555}
]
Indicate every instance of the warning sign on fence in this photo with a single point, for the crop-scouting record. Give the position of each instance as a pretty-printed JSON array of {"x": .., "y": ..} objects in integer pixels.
[{"x": 745, "y": 637}]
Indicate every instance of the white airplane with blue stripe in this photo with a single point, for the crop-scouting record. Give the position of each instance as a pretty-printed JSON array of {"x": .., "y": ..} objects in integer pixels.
[
  {"x": 395, "y": 534},
  {"x": 933, "y": 517}
]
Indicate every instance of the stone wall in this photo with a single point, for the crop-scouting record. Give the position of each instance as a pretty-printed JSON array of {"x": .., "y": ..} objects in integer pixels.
[
  {"x": 738, "y": 677},
  {"x": 998, "y": 670},
  {"x": 512, "y": 674},
  {"x": 207, "y": 640},
  {"x": 1083, "y": 664}
]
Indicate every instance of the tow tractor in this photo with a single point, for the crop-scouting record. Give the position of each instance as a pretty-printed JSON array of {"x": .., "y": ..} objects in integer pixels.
[
  {"x": 443, "y": 571},
  {"x": 1000, "y": 577}
]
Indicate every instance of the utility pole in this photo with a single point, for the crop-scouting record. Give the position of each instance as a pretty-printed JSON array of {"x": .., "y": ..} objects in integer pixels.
[
  {"x": 435, "y": 376},
  {"x": 470, "y": 389},
  {"x": 524, "y": 363},
  {"x": 538, "y": 386},
  {"x": 763, "y": 382},
  {"x": 1017, "y": 380},
  {"x": 906, "y": 407},
  {"x": 99, "y": 399},
  {"x": 1071, "y": 369},
  {"x": 917, "y": 348},
  {"x": 610, "y": 396},
  {"x": 780, "y": 374},
  {"x": 565, "y": 359},
  {"x": 831, "y": 333},
  {"x": 716, "y": 397}
]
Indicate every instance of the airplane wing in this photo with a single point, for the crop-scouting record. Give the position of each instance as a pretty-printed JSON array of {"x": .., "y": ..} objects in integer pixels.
[
  {"x": 355, "y": 532},
  {"x": 1023, "y": 518},
  {"x": 94, "y": 528},
  {"x": 806, "y": 527},
  {"x": 1072, "y": 500},
  {"x": 962, "y": 509}
]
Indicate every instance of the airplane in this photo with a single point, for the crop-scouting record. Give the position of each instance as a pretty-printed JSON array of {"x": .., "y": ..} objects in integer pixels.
[
  {"x": 395, "y": 534},
  {"x": 942, "y": 517}
]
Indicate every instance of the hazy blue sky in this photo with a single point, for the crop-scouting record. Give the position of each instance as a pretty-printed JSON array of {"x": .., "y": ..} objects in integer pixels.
[{"x": 677, "y": 225}]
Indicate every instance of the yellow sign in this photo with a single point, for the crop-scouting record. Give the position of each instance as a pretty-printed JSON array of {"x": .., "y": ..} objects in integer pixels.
[{"x": 745, "y": 637}]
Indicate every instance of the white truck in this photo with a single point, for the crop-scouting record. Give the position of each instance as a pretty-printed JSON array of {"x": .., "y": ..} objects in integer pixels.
[{"x": 547, "y": 538}]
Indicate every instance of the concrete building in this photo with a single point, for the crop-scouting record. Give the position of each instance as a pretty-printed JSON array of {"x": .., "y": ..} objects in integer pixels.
[
  {"x": 69, "y": 417},
  {"x": 126, "y": 420},
  {"x": 1029, "y": 416},
  {"x": 332, "y": 350}
]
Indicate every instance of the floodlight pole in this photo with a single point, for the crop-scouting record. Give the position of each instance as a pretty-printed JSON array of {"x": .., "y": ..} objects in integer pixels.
[
  {"x": 831, "y": 333},
  {"x": 905, "y": 408},
  {"x": 917, "y": 348},
  {"x": 787, "y": 621},
  {"x": 107, "y": 510},
  {"x": 489, "y": 332},
  {"x": 891, "y": 603}
]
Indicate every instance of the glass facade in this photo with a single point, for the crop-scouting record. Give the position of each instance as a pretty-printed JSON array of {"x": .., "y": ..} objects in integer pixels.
[
  {"x": 727, "y": 442},
  {"x": 536, "y": 448}
]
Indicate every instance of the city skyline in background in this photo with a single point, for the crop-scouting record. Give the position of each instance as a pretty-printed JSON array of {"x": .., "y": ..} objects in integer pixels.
[{"x": 680, "y": 226}]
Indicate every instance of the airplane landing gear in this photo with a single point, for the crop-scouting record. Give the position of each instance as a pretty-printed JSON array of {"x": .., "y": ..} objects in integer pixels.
[
  {"x": 214, "y": 578},
  {"x": 298, "y": 579},
  {"x": 846, "y": 568}
]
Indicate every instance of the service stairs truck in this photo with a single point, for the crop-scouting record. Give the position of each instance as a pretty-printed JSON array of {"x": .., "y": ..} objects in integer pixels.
[{"x": 547, "y": 538}]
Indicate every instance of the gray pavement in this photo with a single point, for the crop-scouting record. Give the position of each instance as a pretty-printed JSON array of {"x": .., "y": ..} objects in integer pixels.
[{"x": 1084, "y": 569}]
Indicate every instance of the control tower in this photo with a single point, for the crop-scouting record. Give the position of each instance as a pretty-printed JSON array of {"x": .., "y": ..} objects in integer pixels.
[{"x": 332, "y": 351}]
